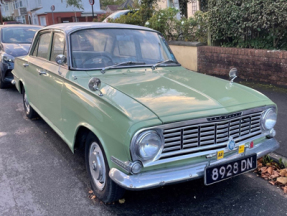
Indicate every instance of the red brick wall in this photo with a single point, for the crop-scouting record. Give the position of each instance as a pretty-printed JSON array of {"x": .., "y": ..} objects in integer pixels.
[{"x": 258, "y": 65}]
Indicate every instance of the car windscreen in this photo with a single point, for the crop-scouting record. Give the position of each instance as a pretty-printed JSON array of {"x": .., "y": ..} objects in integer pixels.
[
  {"x": 97, "y": 48},
  {"x": 18, "y": 34}
]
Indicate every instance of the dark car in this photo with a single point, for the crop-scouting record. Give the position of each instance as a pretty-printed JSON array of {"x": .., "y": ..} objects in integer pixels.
[
  {"x": 11, "y": 22},
  {"x": 15, "y": 40}
]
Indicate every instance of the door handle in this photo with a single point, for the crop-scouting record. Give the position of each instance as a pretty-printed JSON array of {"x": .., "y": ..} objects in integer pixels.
[
  {"x": 41, "y": 72},
  {"x": 25, "y": 64}
]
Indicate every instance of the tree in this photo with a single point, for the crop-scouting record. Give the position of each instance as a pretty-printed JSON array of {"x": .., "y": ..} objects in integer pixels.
[{"x": 74, "y": 3}]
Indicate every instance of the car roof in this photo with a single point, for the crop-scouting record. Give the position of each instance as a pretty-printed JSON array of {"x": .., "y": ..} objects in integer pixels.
[
  {"x": 71, "y": 27},
  {"x": 19, "y": 25}
]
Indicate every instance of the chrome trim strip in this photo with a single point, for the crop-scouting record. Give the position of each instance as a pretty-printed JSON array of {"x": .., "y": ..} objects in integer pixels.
[{"x": 157, "y": 178}]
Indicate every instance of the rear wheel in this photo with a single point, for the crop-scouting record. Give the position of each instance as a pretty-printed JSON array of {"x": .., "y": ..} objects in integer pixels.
[
  {"x": 29, "y": 111},
  {"x": 98, "y": 171}
]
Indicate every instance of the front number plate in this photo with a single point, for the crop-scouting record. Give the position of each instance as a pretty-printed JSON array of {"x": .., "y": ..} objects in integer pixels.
[{"x": 224, "y": 171}]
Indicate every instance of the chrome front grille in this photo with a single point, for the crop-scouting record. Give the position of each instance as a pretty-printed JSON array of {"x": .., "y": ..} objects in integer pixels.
[{"x": 209, "y": 136}]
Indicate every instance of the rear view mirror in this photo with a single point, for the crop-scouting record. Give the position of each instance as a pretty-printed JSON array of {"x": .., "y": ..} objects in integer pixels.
[{"x": 61, "y": 59}]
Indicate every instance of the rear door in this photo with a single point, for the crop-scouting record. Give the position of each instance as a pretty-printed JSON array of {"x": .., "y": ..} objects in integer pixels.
[{"x": 32, "y": 66}]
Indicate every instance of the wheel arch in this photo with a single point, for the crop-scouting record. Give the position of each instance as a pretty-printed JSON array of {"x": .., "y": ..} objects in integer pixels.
[{"x": 81, "y": 134}]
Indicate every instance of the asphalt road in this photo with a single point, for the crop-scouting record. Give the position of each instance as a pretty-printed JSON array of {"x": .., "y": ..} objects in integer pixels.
[{"x": 40, "y": 176}]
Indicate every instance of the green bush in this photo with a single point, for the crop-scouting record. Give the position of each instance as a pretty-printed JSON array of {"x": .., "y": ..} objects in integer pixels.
[
  {"x": 165, "y": 21},
  {"x": 191, "y": 29},
  {"x": 260, "y": 24}
]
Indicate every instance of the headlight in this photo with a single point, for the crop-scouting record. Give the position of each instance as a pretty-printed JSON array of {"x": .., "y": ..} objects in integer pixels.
[
  {"x": 147, "y": 146},
  {"x": 7, "y": 58},
  {"x": 269, "y": 118}
]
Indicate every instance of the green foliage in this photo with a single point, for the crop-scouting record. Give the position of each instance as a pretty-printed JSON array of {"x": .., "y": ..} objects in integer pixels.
[
  {"x": 260, "y": 24},
  {"x": 191, "y": 29},
  {"x": 164, "y": 21},
  {"x": 8, "y": 18},
  {"x": 133, "y": 18},
  {"x": 267, "y": 160},
  {"x": 74, "y": 3},
  {"x": 105, "y": 3}
]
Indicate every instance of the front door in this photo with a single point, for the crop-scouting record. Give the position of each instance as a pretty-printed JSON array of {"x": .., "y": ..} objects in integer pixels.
[{"x": 52, "y": 81}]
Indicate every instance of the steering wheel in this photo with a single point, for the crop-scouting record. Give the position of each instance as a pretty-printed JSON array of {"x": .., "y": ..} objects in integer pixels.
[{"x": 99, "y": 59}]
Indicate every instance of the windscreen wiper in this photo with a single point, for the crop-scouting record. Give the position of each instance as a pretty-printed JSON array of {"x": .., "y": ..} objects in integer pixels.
[
  {"x": 103, "y": 70},
  {"x": 163, "y": 62}
]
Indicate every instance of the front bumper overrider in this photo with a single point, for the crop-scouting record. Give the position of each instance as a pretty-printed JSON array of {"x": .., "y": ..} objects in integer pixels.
[{"x": 157, "y": 178}]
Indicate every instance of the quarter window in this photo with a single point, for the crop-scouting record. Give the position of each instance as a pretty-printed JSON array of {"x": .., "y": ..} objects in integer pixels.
[
  {"x": 43, "y": 47},
  {"x": 58, "y": 46}
]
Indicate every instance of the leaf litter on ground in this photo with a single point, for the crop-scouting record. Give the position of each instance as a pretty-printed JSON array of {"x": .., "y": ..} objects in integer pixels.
[{"x": 273, "y": 173}]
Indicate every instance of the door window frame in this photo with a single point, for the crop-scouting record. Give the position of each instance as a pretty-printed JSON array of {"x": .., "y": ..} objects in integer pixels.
[{"x": 35, "y": 46}]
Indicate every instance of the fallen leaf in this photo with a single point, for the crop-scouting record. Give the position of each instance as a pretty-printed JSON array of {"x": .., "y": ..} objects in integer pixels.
[
  {"x": 122, "y": 201},
  {"x": 285, "y": 189},
  {"x": 90, "y": 191},
  {"x": 263, "y": 169},
  {"x": 270, "y": 170},
  {"x": 282, "y": 180},
  {"x": 283, "y": 172},
  {"x": 272, "y": 182},
  {"x": 268, "y": 164}
]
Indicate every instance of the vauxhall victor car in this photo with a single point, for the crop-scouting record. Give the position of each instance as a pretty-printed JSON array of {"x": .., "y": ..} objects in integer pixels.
[{"x": 118, "y": 92}]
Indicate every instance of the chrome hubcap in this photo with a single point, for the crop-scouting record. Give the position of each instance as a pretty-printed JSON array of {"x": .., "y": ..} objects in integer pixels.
[
  {"x": 97, "y": 165},
  {"x": 26, "y": 103}
]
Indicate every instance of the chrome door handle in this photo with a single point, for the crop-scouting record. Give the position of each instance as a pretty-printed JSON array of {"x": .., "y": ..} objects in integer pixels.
[
  {"x": 41, "y": 72},
  {"x": 25, "y": 64}
]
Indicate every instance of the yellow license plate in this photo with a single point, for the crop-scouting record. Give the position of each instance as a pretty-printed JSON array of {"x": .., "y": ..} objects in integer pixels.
[
  {"x": 241, "y": 149},
  {"x": 220, "y": 154}
]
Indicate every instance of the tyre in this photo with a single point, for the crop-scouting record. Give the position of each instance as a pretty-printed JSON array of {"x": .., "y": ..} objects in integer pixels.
[
  {"x": 98, "y": 171},
  {"x": 29, "y": 111},
  {"x": 2, "y": 84}
]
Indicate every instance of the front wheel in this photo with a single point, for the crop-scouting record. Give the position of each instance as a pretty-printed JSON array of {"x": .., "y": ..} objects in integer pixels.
[
  {"x": 98, "y": 171},
  {"x": 2, "y": 84},
  {"x": 29, "y": 111}
]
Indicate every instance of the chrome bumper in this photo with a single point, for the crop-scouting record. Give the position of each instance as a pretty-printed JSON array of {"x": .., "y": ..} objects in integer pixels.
[{"x": 157, "y": 178}]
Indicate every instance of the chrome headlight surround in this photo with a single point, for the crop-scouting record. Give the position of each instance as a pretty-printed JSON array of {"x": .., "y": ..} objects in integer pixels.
[
  {"x": 144, "y": 151},
  {"x": 269, "y": 119}
]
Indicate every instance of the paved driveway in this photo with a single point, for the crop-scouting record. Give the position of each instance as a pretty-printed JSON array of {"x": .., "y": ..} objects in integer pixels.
[{"x": 40, "y": 176}]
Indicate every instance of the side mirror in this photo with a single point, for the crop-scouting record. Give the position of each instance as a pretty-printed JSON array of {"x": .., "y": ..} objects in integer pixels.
[
  {"x": 61, "y": 59},
  {"x": 95, "y": 85},
  {"x": 232, "y": 74}
]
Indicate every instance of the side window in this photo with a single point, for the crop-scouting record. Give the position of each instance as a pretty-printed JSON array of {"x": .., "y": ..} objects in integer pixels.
[
  {"x": 36, "y": 48},
  {"x": 58, "y": 46},
  {"x": 43, "y": 47}
]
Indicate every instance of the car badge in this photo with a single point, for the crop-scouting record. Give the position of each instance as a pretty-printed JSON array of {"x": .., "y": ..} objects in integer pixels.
[{"x": 231, "y": 143}]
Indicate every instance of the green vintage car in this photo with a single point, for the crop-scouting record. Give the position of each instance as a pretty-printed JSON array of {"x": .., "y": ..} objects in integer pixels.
[{"x": 144, "y": 121}]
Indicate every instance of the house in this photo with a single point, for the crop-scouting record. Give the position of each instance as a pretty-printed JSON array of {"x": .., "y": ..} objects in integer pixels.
[
  {"x": 39, "y": 12},
  {"x": 111, "y": 8},
  {"x": 191, "y": 7}
]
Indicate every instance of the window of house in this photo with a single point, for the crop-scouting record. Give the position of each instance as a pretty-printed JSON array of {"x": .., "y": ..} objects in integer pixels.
[
  {"x": 43, "y": 21},
  {"x": 193, "y": 7},
  {"x": 43, "y": 47},
  {"x": 18, "y": 4},
  {"x": 58, "y": 47},
  {"x": 6, "y": 7}
]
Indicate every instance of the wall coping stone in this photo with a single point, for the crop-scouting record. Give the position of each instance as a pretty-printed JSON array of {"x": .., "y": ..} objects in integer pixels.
[{"x": 185, "y": 43}]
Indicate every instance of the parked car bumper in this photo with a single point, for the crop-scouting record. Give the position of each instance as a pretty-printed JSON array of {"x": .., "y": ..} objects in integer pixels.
[
  {"x": 157, "y": 178},
  {"x": 6, "y": 70}
]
